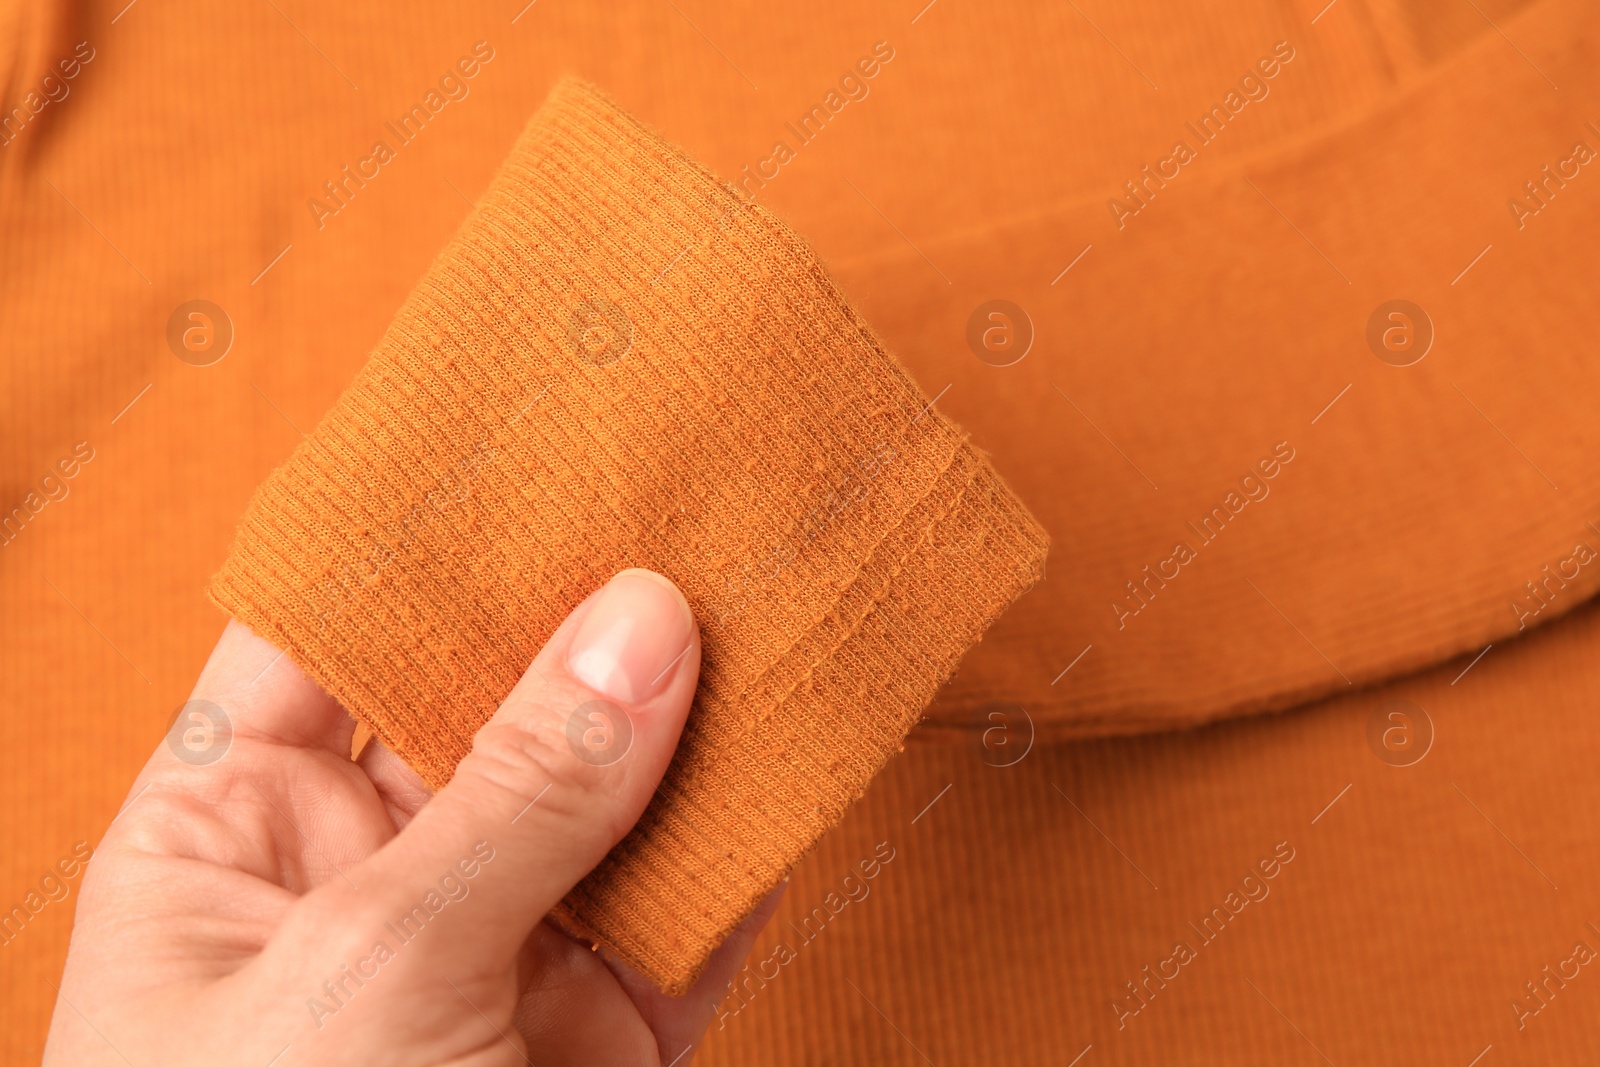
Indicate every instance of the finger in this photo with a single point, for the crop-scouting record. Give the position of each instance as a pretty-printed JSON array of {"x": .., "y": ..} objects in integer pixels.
[
  {"x": 577, "y": 1006},
  {"x": 558, "y": 775},
  {"x": 571, "y": 1008},
  {"x": 402, "y": 789},
  {"x": 253, "y": 776},
  {"x": 680, "y": 1022},
  {"x": 251, "y": 689},
  {"x": 248, "y": 693}
]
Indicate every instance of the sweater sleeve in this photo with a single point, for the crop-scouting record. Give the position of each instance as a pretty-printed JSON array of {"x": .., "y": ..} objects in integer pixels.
[{"x": 619, "y": 361}]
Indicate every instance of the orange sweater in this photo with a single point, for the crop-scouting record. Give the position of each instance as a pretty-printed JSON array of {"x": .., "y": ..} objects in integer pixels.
[{"x": 1257, "y": 496}]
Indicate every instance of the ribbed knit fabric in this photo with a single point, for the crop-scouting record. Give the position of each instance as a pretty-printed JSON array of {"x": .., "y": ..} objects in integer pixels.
[
  {"x": 1421, "y": 518},
  {"x": 559, "y": 399}
]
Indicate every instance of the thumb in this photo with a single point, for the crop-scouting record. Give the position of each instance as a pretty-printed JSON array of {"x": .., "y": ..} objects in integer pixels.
[{"x": 556, "y": 778}]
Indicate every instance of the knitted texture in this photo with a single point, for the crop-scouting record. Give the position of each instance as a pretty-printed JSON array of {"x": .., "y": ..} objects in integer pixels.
[{"x": 620, "y": 362}]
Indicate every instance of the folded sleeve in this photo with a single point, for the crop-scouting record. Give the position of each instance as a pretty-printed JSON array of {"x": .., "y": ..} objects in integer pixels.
[{"x": 619, "y": 361}]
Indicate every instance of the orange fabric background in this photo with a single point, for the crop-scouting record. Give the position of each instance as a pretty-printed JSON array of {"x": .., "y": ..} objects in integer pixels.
[{"x": 1221, "y": 320}]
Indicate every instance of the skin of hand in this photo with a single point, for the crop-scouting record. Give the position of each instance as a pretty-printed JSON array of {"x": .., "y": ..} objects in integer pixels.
[{"x": 234, "y": 910}]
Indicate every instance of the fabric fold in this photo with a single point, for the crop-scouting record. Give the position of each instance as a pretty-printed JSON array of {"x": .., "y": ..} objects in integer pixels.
[
  {"x": 617, "y": 362},
  {"x": 1435, "y": 505}
]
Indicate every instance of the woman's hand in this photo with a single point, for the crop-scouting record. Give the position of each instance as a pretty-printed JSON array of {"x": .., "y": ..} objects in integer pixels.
[{"x": 262, "y": 899}]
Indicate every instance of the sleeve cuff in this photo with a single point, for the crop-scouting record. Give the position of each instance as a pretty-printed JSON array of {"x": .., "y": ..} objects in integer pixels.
[{"x": 620, "y": 362}]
